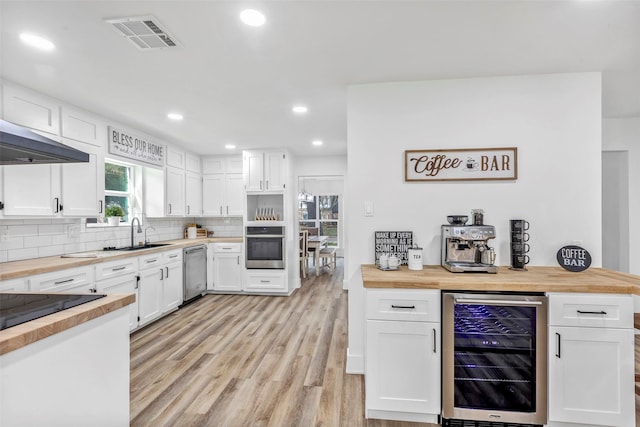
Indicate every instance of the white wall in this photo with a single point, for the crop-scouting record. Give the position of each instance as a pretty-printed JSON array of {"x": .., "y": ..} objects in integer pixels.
[
  {"x": 553, "y": 120},
  {"x": 624, "y": 135}
]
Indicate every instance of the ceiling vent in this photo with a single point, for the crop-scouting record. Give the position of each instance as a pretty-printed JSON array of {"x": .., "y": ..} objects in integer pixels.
[{"x": 145, "y": 32}]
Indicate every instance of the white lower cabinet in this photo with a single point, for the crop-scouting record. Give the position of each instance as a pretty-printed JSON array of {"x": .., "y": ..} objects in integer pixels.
[
  {"x": 151, "y": 274},
  {"x": 72, "y": 280},
  {"x": 227, "y": 267},
  {"x": 403, "y": 355},
  {"x": 172, "y": 288},
  {"x": 15, "y": 285},
  {"x": 266, "y": 281},
  {"x": 591, "y": 360},
  {"x": 124, "y": 284}
]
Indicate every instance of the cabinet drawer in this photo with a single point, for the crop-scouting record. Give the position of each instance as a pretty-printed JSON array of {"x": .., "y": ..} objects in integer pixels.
[
  {"x": 116, "y": 268},
  {"x": 592, "y": 310},
  {"x": 70, "y": 280},
  {"x": 227, "y": 247},
  {"x": 266, "y": 281},
  {"x": 172, "y": 256},
  {"x": 151, "y": 260},
  {"x": 410, "y": 305},
  {"x": 14, "y": 285}
]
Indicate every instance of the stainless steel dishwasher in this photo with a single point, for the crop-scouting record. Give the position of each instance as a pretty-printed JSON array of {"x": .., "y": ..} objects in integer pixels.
[{"x": 195, "y": 271}]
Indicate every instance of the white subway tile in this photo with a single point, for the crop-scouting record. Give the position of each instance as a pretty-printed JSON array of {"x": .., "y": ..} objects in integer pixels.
[
  {"x": 51, "y": 229},
  {"x": 18, "y": 254},
  {"x": 22, "y": 230},
  {"x": 51, "y": 250},
  {"x": 37, "y": 241},
  {"x": 12, "y": 243}
]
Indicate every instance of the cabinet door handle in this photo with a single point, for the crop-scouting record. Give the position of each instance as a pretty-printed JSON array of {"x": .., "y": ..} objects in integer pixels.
[
  {"x": 188, "y": 209},
  {"x": 558, "y": 345},
  {"x": 162, "y": 274},
  {"x": 435, "y": 343},
  {"x": 261, "y": 184},
  {"x": 592, "y": 312},
  {"x": 93, "y": 290},
  {"x": 407, "y": 307},
  {"x": 227, "y": 210},
  {"x": 169, "y": 208},
  {"x": 238, "y": 259},
  {"x": 119, "y": 268},
  {"x": 265, "y": 281},
  {"x": 167, "y": 270},
  {"x": 149, "y": 261},
  {"x": 63, "y": 281},
  {"x": 100, "y": 206},
  {"x": 267, "y": 184},
  {"x": 57, "y": 199}
]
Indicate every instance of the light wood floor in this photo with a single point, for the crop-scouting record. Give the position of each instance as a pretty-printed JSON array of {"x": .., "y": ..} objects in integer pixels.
[{"x": 229, "y": 360}]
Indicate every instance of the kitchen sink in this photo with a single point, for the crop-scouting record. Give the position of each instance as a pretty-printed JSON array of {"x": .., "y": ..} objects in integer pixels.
[{"x": 137, "y": 248}]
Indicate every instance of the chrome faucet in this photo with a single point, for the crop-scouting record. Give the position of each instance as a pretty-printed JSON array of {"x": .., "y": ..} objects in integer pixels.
[
  {"x": 139, "y": 229},
  {"x": 145, "y": 233}
]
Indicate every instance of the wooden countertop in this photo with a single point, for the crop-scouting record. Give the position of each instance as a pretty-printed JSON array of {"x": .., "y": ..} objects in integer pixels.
[
  {"x": 29, "y": 267},
  {"x": 535, "y": 279},
  {"x": 27, "y": 333}
]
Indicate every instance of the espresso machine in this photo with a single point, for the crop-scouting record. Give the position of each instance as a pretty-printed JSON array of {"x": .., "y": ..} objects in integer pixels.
[{"x": 465, "y": 247}]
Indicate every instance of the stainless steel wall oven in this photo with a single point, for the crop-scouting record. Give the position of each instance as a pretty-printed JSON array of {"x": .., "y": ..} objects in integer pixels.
[
  {"x": 265, "y": 248},
  {"x": 494, "y": 359}
]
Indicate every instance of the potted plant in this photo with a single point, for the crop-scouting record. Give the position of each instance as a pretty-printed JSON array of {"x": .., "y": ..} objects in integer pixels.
[{"x": 113, "y": 212}]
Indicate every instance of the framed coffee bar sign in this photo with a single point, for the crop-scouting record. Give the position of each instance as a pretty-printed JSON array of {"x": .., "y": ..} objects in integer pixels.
[
  {"x": 135, "y": 147},
  {"x": 467, "y": 164}
]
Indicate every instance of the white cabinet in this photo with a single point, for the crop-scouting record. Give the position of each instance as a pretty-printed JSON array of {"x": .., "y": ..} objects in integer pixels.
[
  {"x": 268, "y": 281},
  {"x": 30, "y": 109},
  {"x": 153, "y": 192},
  {"x": 264, "y": 171},
  {"x": 150, "y": 287},
  {"x": 32, "y": 193},
  {"x": 176, "y": 158},
  {"x": 72, "y": 280},
  {"x": 223, "y": 186},
  {"x": 81, "y": 126},
  {"x": 175, "y": 182},
  {"x": 82, "y": 184},
  {"x": 192, "y": 163},
  {"x": 172, "y": 288},
  {"x": 591, "y": 360},
  {"x": 15, "y": 285},
  {"x": 193, "y": 194},
  {"x": 227, "y": 267},
  {"x": 403, "y": 355},
  {"x": 73, "y": 189},
  {"x": 120, "y": 277}
]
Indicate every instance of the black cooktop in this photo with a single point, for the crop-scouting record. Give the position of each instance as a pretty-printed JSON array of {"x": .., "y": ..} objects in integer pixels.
[{"x": 18, "y": 308}]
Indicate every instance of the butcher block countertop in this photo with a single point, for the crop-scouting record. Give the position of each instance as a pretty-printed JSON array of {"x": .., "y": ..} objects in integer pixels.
[
  {"x": 29, "y": 267},
  {"x": 535, "y": 279},
  {"x": 27, "y": 333}
]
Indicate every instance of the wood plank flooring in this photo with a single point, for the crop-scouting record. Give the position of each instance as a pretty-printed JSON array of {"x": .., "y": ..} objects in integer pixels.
[{"x": 229, "y": 360}]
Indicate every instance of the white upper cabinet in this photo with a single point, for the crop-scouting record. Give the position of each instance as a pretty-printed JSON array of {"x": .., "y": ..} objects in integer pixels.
[
  {"x": 82, "y": 126},
  {"x": 264, "y": 171},
  {"x": 82, "y": 184},
  {"x": 32, "y": 192},
  {"x": 176, "y": 158},
  {"x": 193, "y": 194},
  {"x": 153, "y": 192},
  {"x": 30, "y": 109},
  {"x": 192, "y": 163},
  {"x": 175, "y": 183},
  {"x": 222, "y": 191}
]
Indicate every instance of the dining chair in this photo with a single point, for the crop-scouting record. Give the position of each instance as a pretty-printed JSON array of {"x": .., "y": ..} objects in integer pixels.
[
  {"x": 313, "y": 231},
  {"x": 304, "y": 253}
]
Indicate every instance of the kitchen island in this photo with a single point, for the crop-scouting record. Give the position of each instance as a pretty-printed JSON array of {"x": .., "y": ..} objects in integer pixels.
[
  {"x": 411, "y": 355},
  {"x": 70, "y": 368}
]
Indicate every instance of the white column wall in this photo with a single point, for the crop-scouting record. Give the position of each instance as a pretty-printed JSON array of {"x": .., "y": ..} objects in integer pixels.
[
  {"x": 553, "y": 120},
  {"x": 624, "y": 135}
]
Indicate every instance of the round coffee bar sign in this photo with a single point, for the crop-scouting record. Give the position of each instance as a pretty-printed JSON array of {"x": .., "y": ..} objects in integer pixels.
[{"x": 574, "y": 258}]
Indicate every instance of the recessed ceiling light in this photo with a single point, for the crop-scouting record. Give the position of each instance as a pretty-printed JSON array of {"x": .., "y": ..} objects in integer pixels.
[
  {"x": 317, "y": 142},
  {"x": 230, "y": 146},
  {"x": 37, "y": 41},
  {"x": 252, "y": 18},
  {"x": 299, "y": 109},
  {"x": 175, "y": 116}
]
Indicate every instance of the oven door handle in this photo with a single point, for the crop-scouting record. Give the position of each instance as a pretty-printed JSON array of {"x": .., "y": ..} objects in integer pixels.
[
  {"x": 495, "y": 301},
  {"x": 260, "y": 236}
]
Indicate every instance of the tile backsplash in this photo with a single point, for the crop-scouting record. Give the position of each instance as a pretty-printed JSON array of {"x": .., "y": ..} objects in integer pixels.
[{"x": 35, "y": 238}]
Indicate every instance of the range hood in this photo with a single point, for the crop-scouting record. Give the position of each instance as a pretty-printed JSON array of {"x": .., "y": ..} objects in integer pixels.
[{"x": 21, "y": 146}]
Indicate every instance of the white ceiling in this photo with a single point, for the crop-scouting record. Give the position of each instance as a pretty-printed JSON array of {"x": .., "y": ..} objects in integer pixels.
[{"x": 235, "y": 83}]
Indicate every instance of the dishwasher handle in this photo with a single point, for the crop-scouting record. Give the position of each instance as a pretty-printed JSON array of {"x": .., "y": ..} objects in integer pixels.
[{"x": 194, "y": 249}]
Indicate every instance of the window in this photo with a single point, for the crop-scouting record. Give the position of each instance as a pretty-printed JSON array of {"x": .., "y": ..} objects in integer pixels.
[
  {"x": 321, "y": 212},
  {"x": 119, "y": 187}
]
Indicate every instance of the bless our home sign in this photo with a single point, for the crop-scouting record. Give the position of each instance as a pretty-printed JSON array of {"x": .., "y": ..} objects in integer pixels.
[{"x": 465, "y": 164}]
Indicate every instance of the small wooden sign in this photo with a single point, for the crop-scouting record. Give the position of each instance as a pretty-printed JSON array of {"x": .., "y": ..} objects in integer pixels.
[
  {"x": 574, "y": 258},
  {"x": 393, "y": 243},
  {"x": 134, "y": 147},
  {"x": 466, "y": 164}
]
